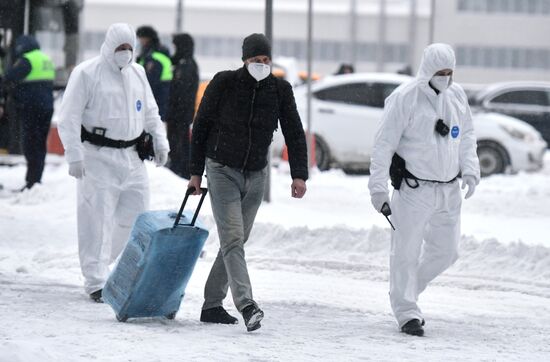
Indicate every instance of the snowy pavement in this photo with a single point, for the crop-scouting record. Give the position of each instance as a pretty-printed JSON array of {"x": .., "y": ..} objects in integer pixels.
[{"x": 319, "y": 271}]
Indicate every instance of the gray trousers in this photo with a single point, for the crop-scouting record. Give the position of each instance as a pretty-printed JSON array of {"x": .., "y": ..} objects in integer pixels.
[{"x": 235, "y": 198}]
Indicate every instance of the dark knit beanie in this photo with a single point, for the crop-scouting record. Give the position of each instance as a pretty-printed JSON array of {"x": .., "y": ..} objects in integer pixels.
[{"x": 256, "y": 44}]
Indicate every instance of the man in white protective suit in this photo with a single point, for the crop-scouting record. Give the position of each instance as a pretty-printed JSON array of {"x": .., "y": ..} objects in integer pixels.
[
  {"x": 426, "y": 136},
  {"x": 107, "y": 106}
]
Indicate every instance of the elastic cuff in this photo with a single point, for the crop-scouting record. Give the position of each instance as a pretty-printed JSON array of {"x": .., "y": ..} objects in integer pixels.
[{"x": 74, "y": 155}]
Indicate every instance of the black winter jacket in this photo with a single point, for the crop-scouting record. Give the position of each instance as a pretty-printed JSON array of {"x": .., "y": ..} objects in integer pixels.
[
  {"x": 183, "y": 91},
  {"x": 236, "y": 120}
]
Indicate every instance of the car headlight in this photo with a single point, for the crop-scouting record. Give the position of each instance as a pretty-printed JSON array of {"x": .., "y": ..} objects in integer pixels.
[{"x": 519, "y": 135}]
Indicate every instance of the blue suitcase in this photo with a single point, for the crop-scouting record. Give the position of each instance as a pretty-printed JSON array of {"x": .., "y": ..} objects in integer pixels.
[{"x": 154, "y": 268}]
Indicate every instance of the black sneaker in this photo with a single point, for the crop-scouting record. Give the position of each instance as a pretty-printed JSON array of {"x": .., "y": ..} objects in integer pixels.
[
  {"x": 252, "y": 316},
  {"x": 96, "y": 296},
  {"x": 413, "y": 327},
  {"x": 217, "y": 315}
]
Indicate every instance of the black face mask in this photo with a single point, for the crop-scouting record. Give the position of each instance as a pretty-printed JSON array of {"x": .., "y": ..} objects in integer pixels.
[{"x": 441, "y": 128}]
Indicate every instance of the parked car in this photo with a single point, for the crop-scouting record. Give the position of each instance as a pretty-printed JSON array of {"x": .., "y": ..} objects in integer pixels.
[
  {"x": 346, "y": 111},
  {"x": 526, "y": 100},
  {"x": 507, "y": 144}
]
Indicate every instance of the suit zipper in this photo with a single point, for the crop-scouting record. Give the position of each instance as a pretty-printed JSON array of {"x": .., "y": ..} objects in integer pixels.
[{"x": 250, "y": 127}]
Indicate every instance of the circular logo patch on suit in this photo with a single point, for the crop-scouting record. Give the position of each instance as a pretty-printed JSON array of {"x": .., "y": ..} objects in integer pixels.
[
  {"x": 138, "y": 105},
  {"x": 455, "y": 131}
]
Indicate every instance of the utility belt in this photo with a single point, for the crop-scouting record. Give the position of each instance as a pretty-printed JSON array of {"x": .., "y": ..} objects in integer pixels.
[
  {"x": 398, "y": 173},
  {"x": 143, "y": 143}
]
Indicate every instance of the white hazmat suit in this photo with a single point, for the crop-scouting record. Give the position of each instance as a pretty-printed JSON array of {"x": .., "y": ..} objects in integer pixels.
[
  {"x": 426, "y": 218},
  {"x": 113, "y": 186}
]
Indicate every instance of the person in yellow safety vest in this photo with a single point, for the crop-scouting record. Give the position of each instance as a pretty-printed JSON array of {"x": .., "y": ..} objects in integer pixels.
[
  {"x": 155, "y": 58},
  {"x": 31, "y": 82}
]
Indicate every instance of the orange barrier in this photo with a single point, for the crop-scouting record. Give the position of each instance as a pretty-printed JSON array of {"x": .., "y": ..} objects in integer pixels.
[
  {"x": 54, "y": 144},
  {"x": 312, "y": 158}
]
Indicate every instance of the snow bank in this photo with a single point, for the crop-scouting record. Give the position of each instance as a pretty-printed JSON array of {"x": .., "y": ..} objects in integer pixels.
[
  {"x": 23, "y": 351},
  {"x": 485, "y": 264},
  {"x": 332, "y": 229},
  {"x": 319, "y": 267}
]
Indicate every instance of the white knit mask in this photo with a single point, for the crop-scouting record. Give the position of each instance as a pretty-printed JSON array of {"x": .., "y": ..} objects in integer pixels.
[{"x": 259, "y": 70}]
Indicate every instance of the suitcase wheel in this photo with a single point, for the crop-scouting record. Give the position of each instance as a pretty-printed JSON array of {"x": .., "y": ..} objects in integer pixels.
[
  {"x": 171, "y": 315},
  {"x": 123, "y": 318}
]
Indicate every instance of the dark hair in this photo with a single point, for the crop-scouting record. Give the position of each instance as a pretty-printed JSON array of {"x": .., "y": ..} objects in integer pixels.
[
  {"x": 147, "y": 31},
  {"x": 345, "y": 68}
]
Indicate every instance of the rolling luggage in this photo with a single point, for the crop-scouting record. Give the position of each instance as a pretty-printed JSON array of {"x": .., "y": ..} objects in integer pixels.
[{"x": 154, "y": 268}]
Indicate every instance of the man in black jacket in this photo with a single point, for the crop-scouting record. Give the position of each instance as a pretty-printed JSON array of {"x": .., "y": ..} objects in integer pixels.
[
  {"x": 232, "y": 132},
  {"x": 183, "y": 91}
]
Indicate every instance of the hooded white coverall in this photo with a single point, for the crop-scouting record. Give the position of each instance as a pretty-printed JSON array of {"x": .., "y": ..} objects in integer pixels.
[
  {"x": 115, "y": 185},
  {"x": 427, "y": 218}
]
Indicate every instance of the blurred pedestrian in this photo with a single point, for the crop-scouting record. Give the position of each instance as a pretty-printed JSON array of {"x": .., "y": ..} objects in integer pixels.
[
  {"x": 345, "y": 68},
  {"x": 31, "y": 82},
  {"x": 107, "y": 106},
  {"x": 425, "y": 142},
  {"x": 155, "y": 58},
  {"x": 183, "y": 92},
  {"x": 232, "y": 132},
  {"x": 406, "y": 70}
]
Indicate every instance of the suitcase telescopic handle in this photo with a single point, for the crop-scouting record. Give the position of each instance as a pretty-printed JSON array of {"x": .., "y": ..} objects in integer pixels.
[{"x": 187, "y": 194}]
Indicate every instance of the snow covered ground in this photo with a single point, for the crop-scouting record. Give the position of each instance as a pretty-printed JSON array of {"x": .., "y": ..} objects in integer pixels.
[{"x": 319, "y": 268}]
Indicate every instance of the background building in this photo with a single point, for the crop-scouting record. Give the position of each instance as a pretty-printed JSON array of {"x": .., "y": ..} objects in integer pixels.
[{"x": 494, "y": 39}]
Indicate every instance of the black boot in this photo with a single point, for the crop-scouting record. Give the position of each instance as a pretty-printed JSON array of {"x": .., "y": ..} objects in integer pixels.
[
  {"x": 413, "y": 327},
  {"x": 252, "y": 316},
  {"x": 96, "y": 296},
  {"x": 217, "y": 315}
]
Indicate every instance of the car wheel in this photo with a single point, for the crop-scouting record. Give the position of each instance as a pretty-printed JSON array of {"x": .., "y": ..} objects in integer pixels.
[
  {"x": 322, "y": 154},
  {"x": 493, "y": 158}
]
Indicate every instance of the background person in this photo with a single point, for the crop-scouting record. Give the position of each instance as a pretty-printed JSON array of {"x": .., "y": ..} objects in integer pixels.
[
  {"x": 155, "y": 58},
  {"x": 31, "y": 82},
  {"x": 183, "y": 92}
]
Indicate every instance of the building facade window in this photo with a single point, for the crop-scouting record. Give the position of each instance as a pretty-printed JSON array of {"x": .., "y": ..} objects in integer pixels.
[
  {"x": 503, "y": 57},
  {"x": 215, "y": 46},
  {"x": 323, "y": 50},
  {"x": 533, "y": 7}
]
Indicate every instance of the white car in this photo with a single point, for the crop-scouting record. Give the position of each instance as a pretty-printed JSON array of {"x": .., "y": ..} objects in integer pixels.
[
  {"x": 347, "y": 109},
  {"x": 507, "y": 144},
  {"x": 525, "y": 100}
]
